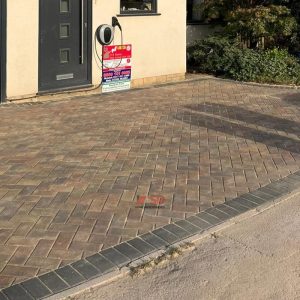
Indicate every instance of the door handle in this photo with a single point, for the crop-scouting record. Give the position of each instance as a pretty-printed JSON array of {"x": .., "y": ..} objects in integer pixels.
[{"x": 82, "y": 32}]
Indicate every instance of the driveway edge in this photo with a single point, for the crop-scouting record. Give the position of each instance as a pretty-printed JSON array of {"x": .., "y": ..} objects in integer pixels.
[
  {"x": 114, "y": 262},
  {"x": 251, "y": 83}
]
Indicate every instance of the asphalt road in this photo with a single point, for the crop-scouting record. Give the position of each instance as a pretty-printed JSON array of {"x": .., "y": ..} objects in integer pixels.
[{"x": 257, "y": 258}]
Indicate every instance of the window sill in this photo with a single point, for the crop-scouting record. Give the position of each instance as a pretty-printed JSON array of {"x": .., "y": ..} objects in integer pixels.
[{"x": 137, "y": 14}]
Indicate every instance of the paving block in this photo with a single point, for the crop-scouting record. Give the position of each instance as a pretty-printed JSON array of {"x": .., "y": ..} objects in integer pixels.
[
  {"x": 70, "y": 276},
  {"x": 85, "y": 269},
  {"x": 154, "y": 241},
  {"x": 165, "y": 235},
  {"x": 17, "y": 292},
  {"x": 115, "y": 257},
  {"x": 142, "y": 246},
  {"x": 128, "y": 251},
  {"x": 53, "y": 282},
  {"x": 36, "y": 288},
  {"x": 102, "y": 264}
]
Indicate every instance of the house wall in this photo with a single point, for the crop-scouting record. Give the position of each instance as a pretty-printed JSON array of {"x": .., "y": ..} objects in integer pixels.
[
  {"x": 2, "y": 50},
  {"x": 159, "y": 43},
  {"x": 22, "y": 47}
]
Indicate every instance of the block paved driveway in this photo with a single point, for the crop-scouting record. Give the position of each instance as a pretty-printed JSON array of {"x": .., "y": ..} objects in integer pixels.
[{"x": 71, "y": 171}]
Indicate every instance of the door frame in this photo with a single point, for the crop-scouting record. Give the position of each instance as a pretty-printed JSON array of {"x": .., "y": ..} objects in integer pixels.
[
  {"x": 3, "y": 10},
  {"x": 89, "y": 52}
]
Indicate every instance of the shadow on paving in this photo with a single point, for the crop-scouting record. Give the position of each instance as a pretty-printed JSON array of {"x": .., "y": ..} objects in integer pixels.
[
  {"x": 197, "y": 115},
  {"x": 73, "y": 175},
  {"x": 293, "y": 99}
]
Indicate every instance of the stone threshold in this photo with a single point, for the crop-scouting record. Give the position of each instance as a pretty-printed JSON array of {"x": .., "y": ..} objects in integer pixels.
[
  {"x": 110, "y": 260},
  {"x": 92, "y": 89}
]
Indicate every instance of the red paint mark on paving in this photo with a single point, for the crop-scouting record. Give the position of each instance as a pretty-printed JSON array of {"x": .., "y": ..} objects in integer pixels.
[{"x": 151, "y": 202}]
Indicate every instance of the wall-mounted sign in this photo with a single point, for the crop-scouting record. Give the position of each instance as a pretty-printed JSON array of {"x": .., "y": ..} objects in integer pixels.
[{"x": 116, "y": 72}]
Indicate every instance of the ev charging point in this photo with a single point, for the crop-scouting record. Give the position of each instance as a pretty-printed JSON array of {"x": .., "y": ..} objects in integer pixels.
[{"x": 115, "y": 60}]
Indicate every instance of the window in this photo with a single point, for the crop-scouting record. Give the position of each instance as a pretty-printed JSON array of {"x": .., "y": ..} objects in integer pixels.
[
  {"x": 64, "y": 31},
  {"x": 64, "y": 56},
  {"x": 194, "y": 14},
  {"x": 64, "y": 6},
  {"x": 138, "y": 6}
]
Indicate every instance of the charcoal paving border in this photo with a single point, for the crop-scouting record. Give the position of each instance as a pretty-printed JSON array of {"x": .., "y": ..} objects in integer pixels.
[{"x": 123, "y": 254}]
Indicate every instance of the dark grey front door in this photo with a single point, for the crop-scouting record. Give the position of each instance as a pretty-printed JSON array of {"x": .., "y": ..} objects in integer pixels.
[
  {"x": 64, "y": 50},
  {"x": 2, "y": 49}
]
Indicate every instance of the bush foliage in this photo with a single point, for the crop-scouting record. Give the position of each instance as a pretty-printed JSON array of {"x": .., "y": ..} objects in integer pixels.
[
  {"x": 222, "y": 55},
  {"x": 273, "y": 24},
  {"x": 261, "y": 24},
  {"x": 255, "y": 45}
]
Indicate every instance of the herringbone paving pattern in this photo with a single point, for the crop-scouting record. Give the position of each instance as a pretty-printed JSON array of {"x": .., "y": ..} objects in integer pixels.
[{"x": 71, "y": 171}]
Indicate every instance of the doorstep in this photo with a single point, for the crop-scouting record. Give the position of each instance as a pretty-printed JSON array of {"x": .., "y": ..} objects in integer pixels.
[{"x": 88, "y": 90}]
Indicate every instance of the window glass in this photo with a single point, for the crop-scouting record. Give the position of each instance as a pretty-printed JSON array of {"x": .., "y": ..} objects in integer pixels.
[
  {"x": 131, "y": 6},
  {"x": 64, "y": 56},
  {"x": 194, "y": 13},
  {"x": 64, "y": 6},
  {"x": 64, "y": 31}
]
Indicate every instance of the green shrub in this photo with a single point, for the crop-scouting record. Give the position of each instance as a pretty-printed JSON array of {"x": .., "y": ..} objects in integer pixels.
[
  {"x": 260, "y": 23},
  {"x": 223, "y": 56},
  {"x": 274, "y": 23},
  {"x": 212, "y": 54}
]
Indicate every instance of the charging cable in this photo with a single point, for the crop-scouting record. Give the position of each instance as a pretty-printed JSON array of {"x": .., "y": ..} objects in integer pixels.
[{"x": 97, "y": 56}]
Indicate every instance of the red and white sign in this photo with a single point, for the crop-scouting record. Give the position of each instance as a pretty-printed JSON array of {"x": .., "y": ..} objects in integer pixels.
[{"x": 116, "y": 73}]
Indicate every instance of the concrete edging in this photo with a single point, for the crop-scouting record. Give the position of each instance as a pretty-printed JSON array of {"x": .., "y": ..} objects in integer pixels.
[
  {"x": 125, "y": 271},
  {"x": 113, "y": 262},
  {"x": 251, "y": 83}
]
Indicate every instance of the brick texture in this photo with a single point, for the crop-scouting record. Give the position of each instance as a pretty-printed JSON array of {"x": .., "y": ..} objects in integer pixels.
[{"x": 71, "y": 171}]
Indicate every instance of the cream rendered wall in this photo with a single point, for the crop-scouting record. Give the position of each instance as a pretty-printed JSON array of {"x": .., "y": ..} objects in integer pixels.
[
  {"x": 22, "y": 47},
  {"x": 159, "y": 42}
]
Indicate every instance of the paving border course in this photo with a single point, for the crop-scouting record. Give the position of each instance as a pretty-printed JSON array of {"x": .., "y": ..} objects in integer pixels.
[
  {"x": 190, "y": 77},
  {"x": 110, "y": 262},
  {"x": 67, "y": 95}
]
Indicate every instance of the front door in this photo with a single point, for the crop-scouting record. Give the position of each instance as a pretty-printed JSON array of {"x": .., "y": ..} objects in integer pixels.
[
  {"x": 2, "y": 49},
  {"x": 64, "y": 44}
]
